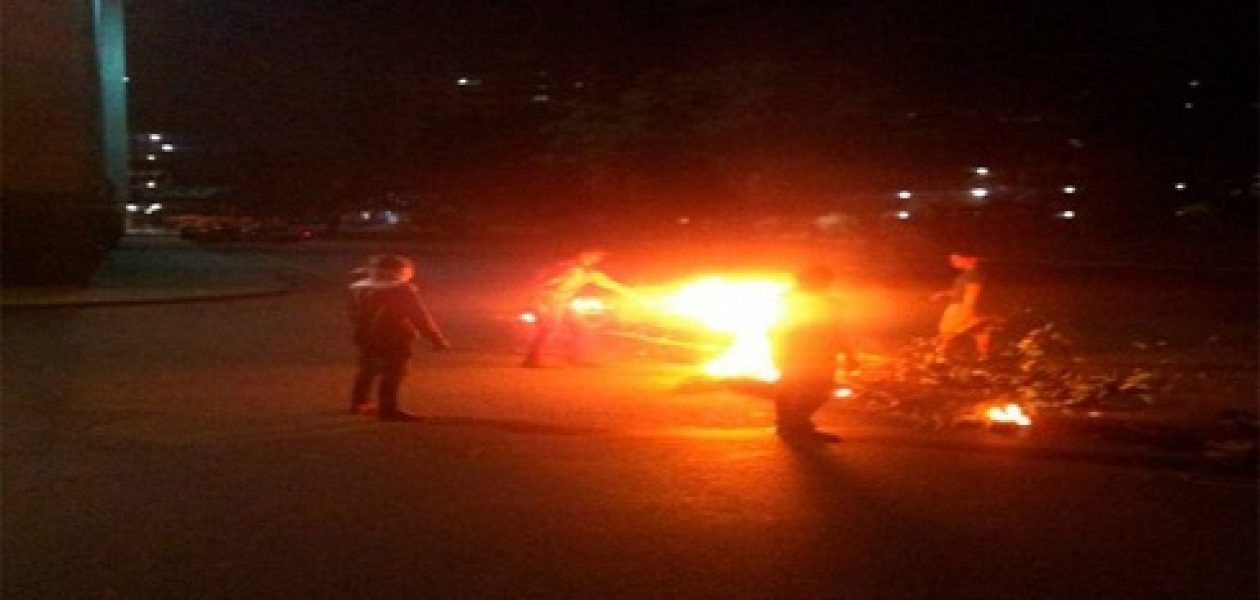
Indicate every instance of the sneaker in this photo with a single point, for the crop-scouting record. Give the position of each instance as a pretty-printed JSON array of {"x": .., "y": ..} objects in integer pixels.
[{"x": 399, "y": 416}]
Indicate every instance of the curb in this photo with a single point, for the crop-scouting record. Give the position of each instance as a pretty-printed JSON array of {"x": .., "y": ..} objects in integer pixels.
[{"x": 104, "y": 299}]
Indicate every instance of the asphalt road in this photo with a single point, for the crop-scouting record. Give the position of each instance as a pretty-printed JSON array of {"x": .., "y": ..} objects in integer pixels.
[{"x": 201, "y": 451}]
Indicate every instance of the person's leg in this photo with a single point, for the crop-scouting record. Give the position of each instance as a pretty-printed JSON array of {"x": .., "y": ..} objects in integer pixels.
[
  {"x": 369, "y": 370},
  {"x": 393, "y": 369},
  {"x": 984, "y": 341},
  {"x": 544, "y": 325}
]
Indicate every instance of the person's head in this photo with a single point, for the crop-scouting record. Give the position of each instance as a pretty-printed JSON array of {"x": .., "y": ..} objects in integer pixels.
[
  {"x": 815, "y": 278},
  {"x": 963, "y": 260},
  {"x": 392, "y": 266},
  {"x": 590, "y": 257}
]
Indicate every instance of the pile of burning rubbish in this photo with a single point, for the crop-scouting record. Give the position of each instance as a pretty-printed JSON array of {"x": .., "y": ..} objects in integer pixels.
[{"x": 1037, "y": 380}]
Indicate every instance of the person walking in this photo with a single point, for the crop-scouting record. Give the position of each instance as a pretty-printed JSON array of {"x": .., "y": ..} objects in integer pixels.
[
  {"x": 806, "y": 343},
  {"x": 962, "y": 315},
  {"x": 387, "y": 316},
  {"x": 554, "y": 291}
]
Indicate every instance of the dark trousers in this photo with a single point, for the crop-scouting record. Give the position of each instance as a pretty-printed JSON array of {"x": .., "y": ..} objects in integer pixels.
[
  {"x": 797, "y": 399},
  {"x": 385, "y": 368},
  {"x": 552, "y": 321}
]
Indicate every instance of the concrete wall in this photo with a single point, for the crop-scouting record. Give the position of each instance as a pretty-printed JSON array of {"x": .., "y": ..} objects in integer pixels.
[{"x": 64, "y": 137}]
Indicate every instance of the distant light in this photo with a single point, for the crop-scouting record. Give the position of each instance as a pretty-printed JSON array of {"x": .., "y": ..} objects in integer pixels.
[
  {"x": 1195, "y": 83},
  {"x": 152, "y": 209},
  {"x": 462, "y": 81},
  {"x": 979, "y": 192},
  {"x": 1180, "y": 187},
  {"x": 126, "y": 79},
  {"x": 168, "y": 147},
  {"x": 391, "y": 217},
  {"x": 903, "y": 214},
  {"x": 542, "y": 98},
  {"x": 1069, "y": 189},
  {"x": 1188, "y": 105},
  {"x": 150, "y": 184},
  {"x": 468, "y": 81},
  {"x": 684, "y": 220},
  {"x": 905, "y": 194},
  {"x": 365, "y": 215},
  {"x": 133, "y": 208},
  {"x": 981, "y": 171},
  {"x": 155, "y": 137},
  {"x": 150, "y": 157},
  {"x": 1066, "y": 214}
]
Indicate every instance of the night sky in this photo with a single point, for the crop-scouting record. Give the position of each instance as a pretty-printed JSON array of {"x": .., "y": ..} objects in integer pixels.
[{"x": 323, "y": 82}]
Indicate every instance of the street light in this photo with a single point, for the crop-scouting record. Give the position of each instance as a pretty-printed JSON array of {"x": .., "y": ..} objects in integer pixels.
[
  {"x": 155, "y": 137},
  {"x": 168, "y": 147},
  {"x": 981, "y": 171},
  {"x": 150, "y": 184},
  {"x": 150, "y": 157},
  {"x": 979, "y": 192},
  {"x": 903, "y": 214},
  {"x": 905, "y": 194},
  {"x": 1069, "y": 189}
]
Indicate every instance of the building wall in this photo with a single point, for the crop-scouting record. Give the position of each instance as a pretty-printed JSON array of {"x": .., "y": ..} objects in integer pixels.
[{"x": 64, "y": 137}]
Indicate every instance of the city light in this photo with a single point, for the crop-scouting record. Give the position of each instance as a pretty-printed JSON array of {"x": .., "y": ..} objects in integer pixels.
[
  {"x": 1066, "y": 214},
  {"x": 152, "y": 209},
  {"x": 133, "y": 208},
  {"x": 981, "y": 171},
  {"x": 903, "y": 214},
  {"x": 150, "y": 184},
  {"x": 168, "y": 147},
  {"x": 1180, "y": 187},
  {"x": 905, "y": 194},
  {"x": 155, "y": 137},
  {"x": 1069, "y": 189},
  {"x": 979, "y": 192},
  {"x": 150, "y": 157}
]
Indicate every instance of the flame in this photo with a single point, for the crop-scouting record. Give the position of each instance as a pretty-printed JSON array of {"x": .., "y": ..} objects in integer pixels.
[
  {"x": 745, "y": 310},
  {"x": 1011, "y": 413}
]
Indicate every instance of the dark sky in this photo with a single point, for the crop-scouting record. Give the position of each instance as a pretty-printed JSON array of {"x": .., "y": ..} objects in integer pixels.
[{"x": 293, "y": 75}]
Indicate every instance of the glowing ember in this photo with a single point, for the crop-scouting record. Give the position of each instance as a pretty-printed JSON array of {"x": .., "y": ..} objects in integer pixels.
[
  {"x": 1011, "y": 413},
  {"x": 744, "y": 310}
]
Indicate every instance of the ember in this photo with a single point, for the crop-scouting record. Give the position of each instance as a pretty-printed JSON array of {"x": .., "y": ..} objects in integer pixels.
[{"x": 1011, "y": 413}]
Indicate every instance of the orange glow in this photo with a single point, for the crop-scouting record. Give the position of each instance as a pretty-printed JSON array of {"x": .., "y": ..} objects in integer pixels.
[
  {"x": 745, "y": 310},
  {"x": 587, "y": 306},
  {"x": 1011, "y": 413}
]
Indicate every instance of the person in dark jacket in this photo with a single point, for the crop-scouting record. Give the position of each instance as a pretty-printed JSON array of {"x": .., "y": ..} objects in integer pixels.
[
  {"x": 387, "y": 316},
  {"x": 806, "y": 343}
]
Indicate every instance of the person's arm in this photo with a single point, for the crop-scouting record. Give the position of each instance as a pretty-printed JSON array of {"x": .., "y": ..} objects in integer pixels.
[
  {"x": 599, "y": 279},
  {"x": 424, "y": 322},
  {"x": 971, "y": 296}
]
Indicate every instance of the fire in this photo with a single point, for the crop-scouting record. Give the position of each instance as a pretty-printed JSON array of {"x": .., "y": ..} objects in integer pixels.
[
  {"x": 745, "y": 310},
  {"x": 1011, "y": 413}
]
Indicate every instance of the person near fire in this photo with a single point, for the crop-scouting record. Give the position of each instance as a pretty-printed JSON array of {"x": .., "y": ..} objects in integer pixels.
[
  {"x": 962, "y": 315},
  {"x": 554, "y": 291},
  {"x": 806, "y": 344},
  {"x": 387, "y": 316}
]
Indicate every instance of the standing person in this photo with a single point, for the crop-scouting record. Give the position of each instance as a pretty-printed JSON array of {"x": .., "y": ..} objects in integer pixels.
[
  {"x": 961, "y": 315},
  {"x": 387, "y": 315},
  {"x": 806, "y": 343},
  {"x": 555, "y": 289}
]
